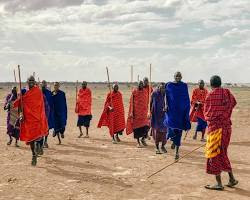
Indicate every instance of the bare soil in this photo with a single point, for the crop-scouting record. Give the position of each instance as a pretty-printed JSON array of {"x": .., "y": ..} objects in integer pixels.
[{"x": 95, "y": 168}]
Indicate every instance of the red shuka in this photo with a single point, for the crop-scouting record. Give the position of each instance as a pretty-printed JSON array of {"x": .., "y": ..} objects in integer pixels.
[
  {"x": 218, "y": 109},
  {"x": 198, "y": 95},
  {"x": 84, "y": 102},
  {"x": 35, "y": 123},
  {"x": 114, "y": 120},
  {"x": 138, "y": 108}
]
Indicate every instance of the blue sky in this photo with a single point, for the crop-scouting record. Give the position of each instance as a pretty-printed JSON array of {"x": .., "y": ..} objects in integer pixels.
[{"x": 77, "y": 39}]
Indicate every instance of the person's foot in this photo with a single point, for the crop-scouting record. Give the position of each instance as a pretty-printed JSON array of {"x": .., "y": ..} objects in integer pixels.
[
  {"x": 81, "y": 134},
  {"x": 232, "y": 183},
  {"x": 139, "y": 146},
  {"x": 34, "y": 160},
  {"x": 16, "y": 145},
  {"x": 46, "y": 145},
  {"x": 157, "y": 151},
  {"x": 203, "y": 140},
  {"x": 114, "y": 142},
  {"x": 177, "y": 157},
  {"x": 149, "y": 138},
  {"x": 40, "y": 153},
  {"x": 173, "y": 146},
  {"x": 62, "y": 135},
  {"x": 54, "y": 134},
  {"x": 86, "y": 136},
  {"x": 163, "y": 149},
  {"x": 194, "y": 137},
  {"x": 144, "y": 142},
  {"x": 214, "y": 187},
  {"x": 9, "y": 143},
  {"x": 117, "y": 138}
]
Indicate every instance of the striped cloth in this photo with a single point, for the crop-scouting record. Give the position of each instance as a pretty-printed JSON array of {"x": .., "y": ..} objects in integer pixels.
[
  {"x": 114, "y": 120},
  {"x": 197, "y": 111},
  {"x": 213, "y": 143},
  {"x": 218, "y": 109},
  {"x": 138, "y": 108}
]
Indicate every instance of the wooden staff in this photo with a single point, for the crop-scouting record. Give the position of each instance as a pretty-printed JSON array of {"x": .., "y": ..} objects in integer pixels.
[
  {"x": 187, "y": 154},
  {"x": 20, "y": 88},
  {"x": 150, "y": 85},
  {"x": 110, "y": 90},
  {"x": 76, "y": 90},
  {"x": 132, "y": 74},
  {"x": 14, "y": 71}
]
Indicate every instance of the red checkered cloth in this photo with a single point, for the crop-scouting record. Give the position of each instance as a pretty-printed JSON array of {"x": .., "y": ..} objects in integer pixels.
[
  {"x": 114, "y": 120},
  {"x": 198, "y": 95},
  {"x": 218, "y": 109},
  {"x": 138, "y": 108}
]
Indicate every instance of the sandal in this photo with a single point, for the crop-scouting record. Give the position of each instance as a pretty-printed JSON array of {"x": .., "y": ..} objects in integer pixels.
[
  {"x": 164, "y": 150},
  {"x": 173, "y": 146},
  {"x": 157, "y": 151},
  {"x": 214, "y": 187},
  {"x": 232, "y": 184}
]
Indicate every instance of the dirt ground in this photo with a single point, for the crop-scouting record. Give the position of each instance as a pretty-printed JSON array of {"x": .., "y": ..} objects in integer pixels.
[{"x": 97, "y": 169}]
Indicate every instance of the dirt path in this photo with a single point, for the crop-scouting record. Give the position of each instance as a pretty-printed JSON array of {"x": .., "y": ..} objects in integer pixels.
[{"x": 97, "y": 169}]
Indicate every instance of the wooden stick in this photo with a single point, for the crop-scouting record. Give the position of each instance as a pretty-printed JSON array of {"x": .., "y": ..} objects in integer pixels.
[
  {"x": 132, "y": 74},
  {"x": 76, "y": 90},
  {"x": 110, "y": 90},
  {"x": 150, "y": 85},
  {"x": 187, "y": 154},
  {"x": 20, "y": 88},
  {"x": 15, "y": 75}
]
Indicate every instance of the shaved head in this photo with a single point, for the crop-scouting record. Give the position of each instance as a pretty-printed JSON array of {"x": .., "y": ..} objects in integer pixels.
[
  {"x": 201, "y": 84},
  {"x": 31, "y": 82},
  {"x": 177, "y": 76}
]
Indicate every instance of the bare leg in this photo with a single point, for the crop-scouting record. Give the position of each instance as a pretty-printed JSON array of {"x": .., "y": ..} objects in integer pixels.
[
  {"x": 177, "y": 153},
  {"x": 143, "y": 141},
  {"x": 195, "y": 135},
  {"x": 87, "y": 131},
  {"x": 232, "y": 181},
  {"x": 81, "y": 134},
  {"x": 17, "y": 143},
  {"x": 113, "y": 140},
  {"x": 10, "y": 141},
  {"x": 203, "y": 135},
  {"x": 139, "y": 143},
  {"x": 46, "y": 142},
  {"x": 34, "y": 154},
  {"x": 59, "y": 139},
  {"x": 117, "y": 137}
]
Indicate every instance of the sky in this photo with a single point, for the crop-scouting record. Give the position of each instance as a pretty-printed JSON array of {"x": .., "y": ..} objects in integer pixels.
[{"x": 69, "y": 40}]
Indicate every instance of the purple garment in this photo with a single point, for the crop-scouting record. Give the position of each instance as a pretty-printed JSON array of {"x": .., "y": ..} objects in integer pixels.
[
  {"x": 11, "y": 130},
  {"x": 158, "y": 114}
]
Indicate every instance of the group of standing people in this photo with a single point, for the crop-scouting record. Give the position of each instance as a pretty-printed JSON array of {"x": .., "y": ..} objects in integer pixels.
[{"x": 165, "y": 111}]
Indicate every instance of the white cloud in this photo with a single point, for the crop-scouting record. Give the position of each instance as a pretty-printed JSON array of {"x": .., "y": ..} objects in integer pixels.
[{"x": 198, "y": 37}]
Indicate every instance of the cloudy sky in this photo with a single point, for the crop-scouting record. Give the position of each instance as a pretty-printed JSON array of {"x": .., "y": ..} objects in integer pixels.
[{"x": 77, "y": 39}]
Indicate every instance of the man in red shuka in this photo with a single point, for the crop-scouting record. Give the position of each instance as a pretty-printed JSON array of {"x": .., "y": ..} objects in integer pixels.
[
  {"x": 33, "y": 122},
  {"x": 83, "y": 108},
  {"x": 218, "y": 109},
  {"x": 113, "y": 115}
]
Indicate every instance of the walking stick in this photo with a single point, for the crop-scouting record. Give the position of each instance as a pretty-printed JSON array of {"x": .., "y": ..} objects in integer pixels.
[
  {"x": 187, "y": 154},
  {"x": 76, "y": 89},
  {"x": 14, "y": 75},
  {"x": 110, "y": 90},
  {"x": 20, "y": 89}
]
